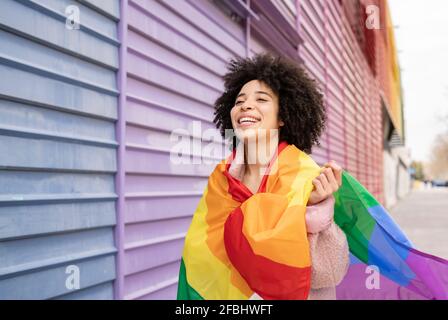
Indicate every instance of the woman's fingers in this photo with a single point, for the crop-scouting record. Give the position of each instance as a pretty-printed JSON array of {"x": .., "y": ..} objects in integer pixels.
[
  {"x": 333, "y": 184},
  {"x": 325, "y": 183},
  {"x": 337, "y": 171},
  {"x": 324, "y": 179},
  {"x": 318, "y": 185}
]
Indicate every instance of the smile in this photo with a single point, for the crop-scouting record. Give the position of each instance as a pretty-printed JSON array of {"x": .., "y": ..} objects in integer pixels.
[{"x": 247, "y": 121}]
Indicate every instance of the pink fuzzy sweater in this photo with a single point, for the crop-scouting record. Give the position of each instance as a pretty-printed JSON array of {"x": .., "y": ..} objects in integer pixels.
[{"x": 329, "y": 250}]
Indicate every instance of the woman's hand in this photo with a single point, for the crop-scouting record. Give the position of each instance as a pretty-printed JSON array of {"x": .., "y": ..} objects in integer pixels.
[{"x": 329, "y": 181}]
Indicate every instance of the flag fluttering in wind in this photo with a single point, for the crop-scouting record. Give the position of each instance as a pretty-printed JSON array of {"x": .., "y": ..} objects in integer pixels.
[
  {"x": 384, "y": 263},
  {"x": 241, "y": 243}
]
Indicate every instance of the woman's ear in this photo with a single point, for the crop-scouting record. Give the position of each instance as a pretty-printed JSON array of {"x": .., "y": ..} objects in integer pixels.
[{"x": 281, "y": 123}]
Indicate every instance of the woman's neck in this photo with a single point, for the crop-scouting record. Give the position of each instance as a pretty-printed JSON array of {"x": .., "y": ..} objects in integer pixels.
[{"x": 257, "y": 156}]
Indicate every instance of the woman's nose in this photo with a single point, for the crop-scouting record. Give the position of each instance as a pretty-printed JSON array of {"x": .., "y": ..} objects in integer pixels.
[{"x": 246, "y": 106}]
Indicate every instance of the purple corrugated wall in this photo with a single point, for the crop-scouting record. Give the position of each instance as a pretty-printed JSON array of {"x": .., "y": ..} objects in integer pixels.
[
  {"x": 173, "y": 54},
  {"x": 120, "y": 132},
  {"x": 333, "y": 56}
]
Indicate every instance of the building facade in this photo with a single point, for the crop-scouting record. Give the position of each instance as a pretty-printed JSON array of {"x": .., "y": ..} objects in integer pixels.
[{"x": 87, "y": 116}]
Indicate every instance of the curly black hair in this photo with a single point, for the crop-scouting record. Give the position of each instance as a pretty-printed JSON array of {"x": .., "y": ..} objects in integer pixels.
[{"x": 301, "y": 105}]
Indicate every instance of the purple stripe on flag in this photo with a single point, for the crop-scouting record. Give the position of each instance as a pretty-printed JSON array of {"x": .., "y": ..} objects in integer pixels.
[{"x": 431, "y": 271}]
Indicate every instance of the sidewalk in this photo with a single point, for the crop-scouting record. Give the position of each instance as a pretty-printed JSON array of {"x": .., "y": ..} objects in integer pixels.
[{"x": 423, "y": 216}]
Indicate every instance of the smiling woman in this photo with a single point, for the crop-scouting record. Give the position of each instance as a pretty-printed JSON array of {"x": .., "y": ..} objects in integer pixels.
[
  {"x": 279, "y": 226},
  {"x": 279, "y": 93},
  {"x": 269, "y": 99},
  {"x": 262, "y": 212},
  {"x": 256, "y": 107}
]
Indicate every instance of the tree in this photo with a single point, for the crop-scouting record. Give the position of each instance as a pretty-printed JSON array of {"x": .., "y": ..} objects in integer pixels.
[
  {"x": 417, "y": 167},
  {"x": 438, "y": 163}
]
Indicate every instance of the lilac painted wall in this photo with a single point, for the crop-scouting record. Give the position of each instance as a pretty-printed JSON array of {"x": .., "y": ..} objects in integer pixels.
[
  {"x": 173, "y": 55},
  {"x": 58, "y": 108},
  {"x": 333, "y": 56}
]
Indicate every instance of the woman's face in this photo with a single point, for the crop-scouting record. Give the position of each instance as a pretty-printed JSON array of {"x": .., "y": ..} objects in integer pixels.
[{"x": 256, "y": 107}]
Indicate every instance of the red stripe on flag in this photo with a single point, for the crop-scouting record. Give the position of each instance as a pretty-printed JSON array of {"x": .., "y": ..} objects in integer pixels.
[{"x": 269, "y": 279}]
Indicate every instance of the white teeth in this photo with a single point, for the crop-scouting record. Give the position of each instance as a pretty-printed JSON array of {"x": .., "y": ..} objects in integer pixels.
[{"x": 247, "y": 119}]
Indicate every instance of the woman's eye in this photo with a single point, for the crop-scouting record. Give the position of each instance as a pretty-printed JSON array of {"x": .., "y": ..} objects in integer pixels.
[{"x": 241, "y": 101}]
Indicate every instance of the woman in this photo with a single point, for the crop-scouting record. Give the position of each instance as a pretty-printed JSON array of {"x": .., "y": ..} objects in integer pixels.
[{"x": 264, "y": 227}]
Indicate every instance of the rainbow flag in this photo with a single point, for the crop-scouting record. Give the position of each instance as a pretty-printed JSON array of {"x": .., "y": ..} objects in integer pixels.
[
  {"x": 383, "y": 262},
  {"x": 241, "y": 243},
  {"x": 236, "y": 243}
]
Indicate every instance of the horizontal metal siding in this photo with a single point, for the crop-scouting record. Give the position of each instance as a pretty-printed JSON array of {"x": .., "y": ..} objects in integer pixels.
[
  {"x": 364, "y": 95},
  {"x": 288, "y": 10},
  {"x": 335, "y": 96},
  {"x": 58, "y": 109},
  {"x": 256, "y": 46},
  {"x": 176, "y": 54},
  {"x": 333, "y": 57},
  {"x": 313, "y": 53}
]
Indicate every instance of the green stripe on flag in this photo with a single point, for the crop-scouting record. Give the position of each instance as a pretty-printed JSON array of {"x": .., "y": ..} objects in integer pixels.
[
  {"x": 352, "y": 216},
  {"x": 184, "y": 290}
]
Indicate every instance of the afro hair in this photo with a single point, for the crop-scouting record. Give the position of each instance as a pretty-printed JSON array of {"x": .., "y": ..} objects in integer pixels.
[{"x": 301, "y": 105}]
